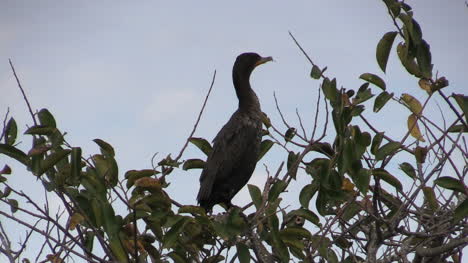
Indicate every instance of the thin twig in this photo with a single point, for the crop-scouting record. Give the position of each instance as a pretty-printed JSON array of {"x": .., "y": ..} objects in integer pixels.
[
  {"x": 22, "y": 91},
  {"x": 198, "y": 119}
]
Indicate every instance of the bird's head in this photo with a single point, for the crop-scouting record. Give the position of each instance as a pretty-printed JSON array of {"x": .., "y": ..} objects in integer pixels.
[{"x": 246, "y": 63}]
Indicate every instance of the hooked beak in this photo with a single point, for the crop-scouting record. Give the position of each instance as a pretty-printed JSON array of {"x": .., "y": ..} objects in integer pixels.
[{"x": 263, "y": 61}]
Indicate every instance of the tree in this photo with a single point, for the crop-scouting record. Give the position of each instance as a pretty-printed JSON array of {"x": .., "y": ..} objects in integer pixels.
[{"x": 364, "y": 210}]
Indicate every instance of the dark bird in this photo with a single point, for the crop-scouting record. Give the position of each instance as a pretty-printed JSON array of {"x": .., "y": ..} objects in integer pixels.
[{"x": 236, "y": 147}]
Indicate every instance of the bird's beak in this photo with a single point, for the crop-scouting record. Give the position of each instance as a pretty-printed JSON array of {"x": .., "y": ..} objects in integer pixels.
[{"x": 263, "y": 60}]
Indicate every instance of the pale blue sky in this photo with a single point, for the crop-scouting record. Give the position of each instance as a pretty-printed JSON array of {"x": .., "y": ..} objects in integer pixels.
[{"x": 135, "y": 73}]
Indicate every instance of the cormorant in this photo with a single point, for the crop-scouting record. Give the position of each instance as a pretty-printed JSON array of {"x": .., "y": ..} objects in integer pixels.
[{"x": 236, "y": 147}]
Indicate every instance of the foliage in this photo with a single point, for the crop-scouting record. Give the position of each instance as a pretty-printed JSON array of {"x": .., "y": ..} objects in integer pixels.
[{"x": 364, "y": 209}]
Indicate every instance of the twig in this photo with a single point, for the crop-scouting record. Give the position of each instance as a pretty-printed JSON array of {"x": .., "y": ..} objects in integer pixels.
[
  {"x": 22, "y": 91},
  {"x": 198, "y": 119},
  {"x": 300, "y": 123}
]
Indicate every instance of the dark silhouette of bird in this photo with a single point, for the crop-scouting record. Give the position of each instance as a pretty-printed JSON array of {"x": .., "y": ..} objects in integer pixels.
[{"x": 236, "y": 147}]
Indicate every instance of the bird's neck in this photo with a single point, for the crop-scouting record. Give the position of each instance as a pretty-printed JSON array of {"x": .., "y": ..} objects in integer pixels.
[{"x": 248, "y": 100}]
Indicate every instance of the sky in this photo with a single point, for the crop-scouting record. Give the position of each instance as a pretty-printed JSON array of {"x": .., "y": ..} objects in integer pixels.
[{"x": 135, "y": 74}]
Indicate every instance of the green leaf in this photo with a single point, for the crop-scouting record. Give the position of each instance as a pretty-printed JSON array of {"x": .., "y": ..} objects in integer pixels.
[
  {"x": 423, "y": 56},
  {"x": 363, "y": 94},
  {"x": 408, "y": 61},
  {"x": 52, "y": 160},
  {"x": 329, "y": 89},
  {"x": 292, "y": 159},
  {"x": 315, "y": 73},
  {"x": 193, "y": 164},
  {"x": 265, "y": 146},
  {"x": 202, "y": 144},
  {"x": 307, "y": 215},
  {"x": 376, "y": 141},
  {"x": 76, "y": 162},
  {"x": 386, "y": 150},
  {"x": 294, "y": 233},
  {"x": 243, "y": 253},
  {"x": 276, "y": 189},
  {"x": 362, "y": 180},
  {"x": 420, "y": 153},
  {"x": 307, "y": 193},
  {"x": 46, "y": 118},
  {"x": 430, "y": 198},
  {"x": 106, "y": 149},
  {"x": 191, "y": 209},
  {"x": 13, "y": 205},
  {"x": 172, "y": 235},
  {"x": 40, "y": 130},
  {"x": 408, "y": 169},
  {"x": 351, "y": 210},
  {"x": 14, "y": 153},
  {"x": 450, "y": 183},
  {"x": 383, "y": 49},
  {"x": 374, "y": 79},
  {"x": 387, "y": 177},
  {"x": 461, "y": 211},
  {"x": 255, "y": 194},
  {"x": 11, "y": 131},
  {"x": 290, "y": 133},
  {"x": 413, "y": 28},
  {"x": 381, "y": 100},
  {"x": 462, "y": 102},
  {"x": 457, "y": 128},
  {"x": 107, "y": 168}
]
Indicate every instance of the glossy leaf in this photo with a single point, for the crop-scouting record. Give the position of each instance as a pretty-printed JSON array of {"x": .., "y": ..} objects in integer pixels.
[
  {"x": 106, "y": 149},
  {"x": 408, "y": 169},
  {"x": 450, "y": 183},
  {"x": 386, "y": 150},
  {"x": 387, "y": 177},
  {"x": 11, "y": 131},
  {"x": 413, "y": 127},
  {"x": 265, "y": 146},
  {"x": 381, "y": 100},
  {"x": 202, "y": 144},
  {"x": 193, "y": 164},
  {"x": 329, "y": 89},
  {"x": 255, "y": 194},
  {"x": 383, "y": 49},
  {"x": 374, "y": 79}
]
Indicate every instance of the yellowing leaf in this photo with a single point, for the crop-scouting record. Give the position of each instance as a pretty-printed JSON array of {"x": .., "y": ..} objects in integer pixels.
[
  {"x": 75, "y": 220},
  {"x": 425, "y": 85},
  {"x": 347, "y": 185},
  {"x": 148, "y": 183},
  {"x": 412, "y": 103},
  {"x": 414, "y": 128}
]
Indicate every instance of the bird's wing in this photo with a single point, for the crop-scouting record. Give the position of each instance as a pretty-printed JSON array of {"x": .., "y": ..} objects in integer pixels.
[{"x": 228, "y": 149}]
